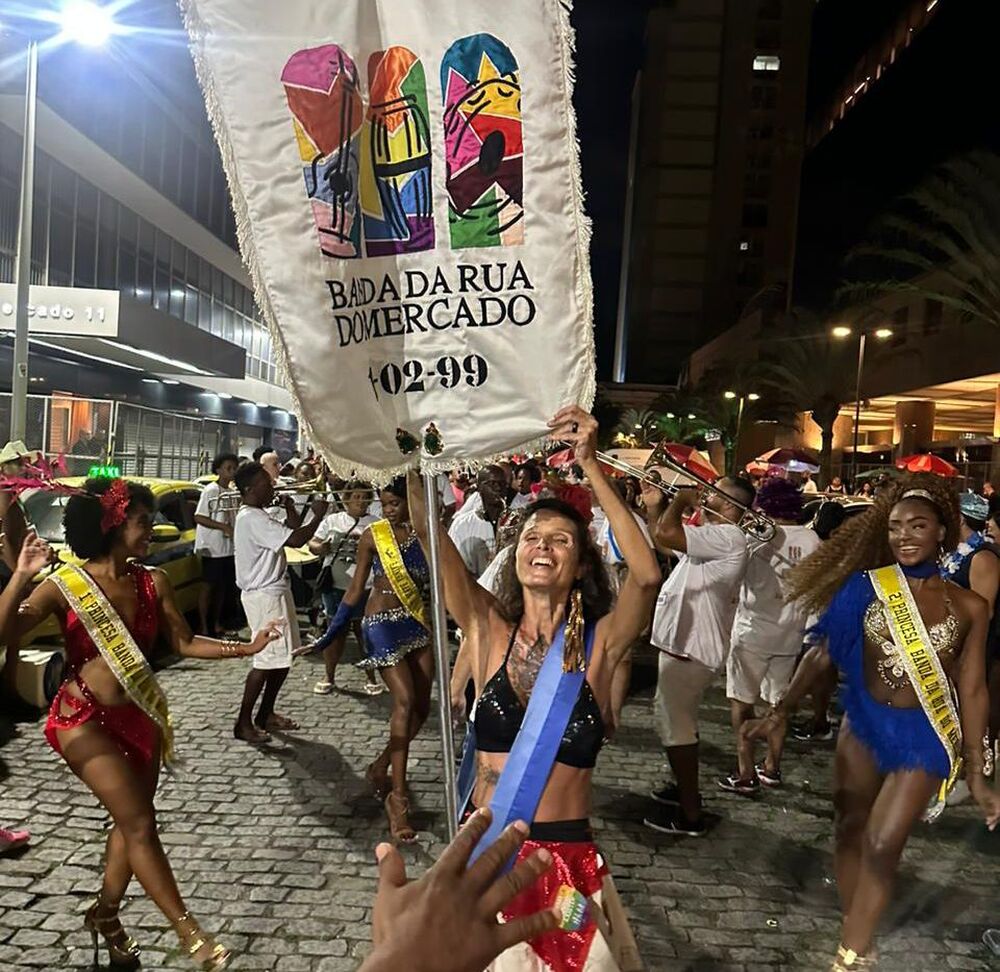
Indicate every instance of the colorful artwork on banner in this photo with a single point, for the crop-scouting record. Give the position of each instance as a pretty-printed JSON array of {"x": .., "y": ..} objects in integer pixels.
[
  {"x": 321, "y": 85},
  {"x": 432, "y": 282},
  {"x": 396, "y": 196},
  {"x": 480, "y": 82}
]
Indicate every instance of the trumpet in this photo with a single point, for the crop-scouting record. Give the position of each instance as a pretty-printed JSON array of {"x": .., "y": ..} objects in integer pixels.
[{"x": 752, "y": 522}]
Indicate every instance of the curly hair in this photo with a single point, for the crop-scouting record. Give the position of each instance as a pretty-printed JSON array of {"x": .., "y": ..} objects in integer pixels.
[
  {"x": 594, "y": 584},
  {"x": 82, "y": 517},
  {"x": 862, "y": 543},
  {"x": 396, "y": 488}
]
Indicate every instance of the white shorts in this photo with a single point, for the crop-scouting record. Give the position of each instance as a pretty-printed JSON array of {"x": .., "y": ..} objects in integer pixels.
[
  {"x": 679, "y": 689},
  {"x": 264, "y": 606},
  {"x": 754, "y": 676}
]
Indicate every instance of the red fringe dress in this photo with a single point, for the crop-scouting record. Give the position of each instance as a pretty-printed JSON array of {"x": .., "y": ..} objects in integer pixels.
[{"x": 135, "y": 734}]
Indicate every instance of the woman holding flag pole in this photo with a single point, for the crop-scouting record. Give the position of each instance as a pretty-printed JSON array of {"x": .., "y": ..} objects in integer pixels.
[
  {"x": 110, "y": 720},
  {"x": 902, "y": 638},
  {"x": 543, "y": 653}
]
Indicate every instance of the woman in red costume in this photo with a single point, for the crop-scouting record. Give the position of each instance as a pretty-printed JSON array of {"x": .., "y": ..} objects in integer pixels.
[{"x": 109, "y": 720}]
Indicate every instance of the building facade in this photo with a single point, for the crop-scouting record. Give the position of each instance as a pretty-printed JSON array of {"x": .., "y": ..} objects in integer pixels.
[
  {"x": 723, "y": 95},
  {"x": 130, "y": 196}
]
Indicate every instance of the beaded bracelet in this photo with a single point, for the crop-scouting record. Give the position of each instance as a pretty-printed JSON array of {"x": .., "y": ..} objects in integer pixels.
[{"x": 231, "y": 648}]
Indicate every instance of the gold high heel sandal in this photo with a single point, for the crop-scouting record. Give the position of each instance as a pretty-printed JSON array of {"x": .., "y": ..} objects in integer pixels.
[
  {"x": 123, "y": 950},
  {"x": 847, "y": 960},
  {"x": 194, "y": 939},
  {"x": 397, "y": 809}
]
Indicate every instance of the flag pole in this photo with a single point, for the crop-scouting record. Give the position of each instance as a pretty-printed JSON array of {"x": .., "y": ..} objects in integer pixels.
[{"x": 441, "y": 654}]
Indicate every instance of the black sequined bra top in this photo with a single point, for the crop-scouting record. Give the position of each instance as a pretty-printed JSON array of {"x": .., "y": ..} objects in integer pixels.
[{"x": 499, "y": 714}]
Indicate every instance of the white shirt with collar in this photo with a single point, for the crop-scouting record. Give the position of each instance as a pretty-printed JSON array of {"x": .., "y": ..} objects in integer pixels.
[
  {"x": 473, "y": 535},
  {"x": 697, "y": 602}
]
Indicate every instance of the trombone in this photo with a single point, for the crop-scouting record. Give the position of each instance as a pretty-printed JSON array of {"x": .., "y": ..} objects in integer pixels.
[
  {"x": 229, "y": 500},
  {"x": 753, "y": 523}
]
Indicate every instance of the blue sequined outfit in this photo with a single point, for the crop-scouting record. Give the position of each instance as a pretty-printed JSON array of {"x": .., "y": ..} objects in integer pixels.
[
  {"x": 898, "y": 738},
  {"x": 391, "y": 635}
]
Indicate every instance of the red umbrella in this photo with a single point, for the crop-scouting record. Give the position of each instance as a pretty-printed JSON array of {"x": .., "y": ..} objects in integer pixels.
[
  {"x": 785, "y": 457},
  {"x": 927, "y": 463},
  {"x": 688, "y": 457}
]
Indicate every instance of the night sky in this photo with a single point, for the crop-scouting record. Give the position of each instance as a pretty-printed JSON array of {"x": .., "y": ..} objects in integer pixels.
[{"x": 938, "y": 101}]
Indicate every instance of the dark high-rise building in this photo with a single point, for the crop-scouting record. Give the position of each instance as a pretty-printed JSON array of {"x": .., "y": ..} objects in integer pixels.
[{"x": 718, "y": 160}]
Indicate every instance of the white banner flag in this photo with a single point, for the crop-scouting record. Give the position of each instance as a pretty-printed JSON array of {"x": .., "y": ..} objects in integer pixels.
[{"x": 406, "y": 182}]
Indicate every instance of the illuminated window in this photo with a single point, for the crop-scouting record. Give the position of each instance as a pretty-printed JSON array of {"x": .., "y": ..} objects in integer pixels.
[{"x": 767, "y": 62}]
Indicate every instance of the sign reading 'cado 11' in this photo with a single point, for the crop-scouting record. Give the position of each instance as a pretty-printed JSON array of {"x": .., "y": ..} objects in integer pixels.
[{"x": 70, "y": 311}]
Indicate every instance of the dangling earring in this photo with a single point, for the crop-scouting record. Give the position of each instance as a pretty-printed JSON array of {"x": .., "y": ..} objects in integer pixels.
[{"x": 574, "y": 656}]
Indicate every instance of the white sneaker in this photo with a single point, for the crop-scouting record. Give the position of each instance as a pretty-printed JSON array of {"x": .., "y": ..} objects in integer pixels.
[{"x": 322, "y": 687}]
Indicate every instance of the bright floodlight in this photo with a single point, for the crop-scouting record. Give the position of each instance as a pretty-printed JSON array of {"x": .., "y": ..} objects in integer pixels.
[
  {"x": 729, "y": 394},
  {"x": 86, "y": 23},
  {"x": 754, "y": 397},
  {"x": 842, "y": 332},
  {"x": 883, "y": 333}
]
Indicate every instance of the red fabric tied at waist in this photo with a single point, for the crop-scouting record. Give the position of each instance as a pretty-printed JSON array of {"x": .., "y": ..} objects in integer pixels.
[{"x": 578, "y": 866}]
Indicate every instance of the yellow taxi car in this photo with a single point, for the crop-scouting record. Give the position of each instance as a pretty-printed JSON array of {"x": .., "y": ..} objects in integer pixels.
[{"x": 172, "y": 548}]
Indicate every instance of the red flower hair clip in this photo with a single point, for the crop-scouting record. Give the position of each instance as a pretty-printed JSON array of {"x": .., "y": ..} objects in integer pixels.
[{"x": 114, "y": 504}]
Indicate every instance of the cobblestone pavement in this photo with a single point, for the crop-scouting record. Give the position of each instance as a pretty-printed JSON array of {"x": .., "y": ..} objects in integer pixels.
[{"x": 273, "y": 847}]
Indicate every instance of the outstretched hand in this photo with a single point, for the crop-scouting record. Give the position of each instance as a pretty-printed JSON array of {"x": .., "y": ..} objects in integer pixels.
[
  {"x": 446, "y": 921},
  {"x": 988, "y": 800},
  {"x": 271, "y": 631},
  {"x": 35, "y": 554},
  {"x": 759, "y": 728},
  {"x": 306, "y": 649}
]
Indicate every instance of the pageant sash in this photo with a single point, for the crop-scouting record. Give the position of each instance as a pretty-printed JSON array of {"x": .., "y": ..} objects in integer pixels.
[
  {"x": 399, "y": 577},
  {"x": 923, "y": 667},
  {"x": 118, "y": 648},
  {"x": 533, "y": 754}
]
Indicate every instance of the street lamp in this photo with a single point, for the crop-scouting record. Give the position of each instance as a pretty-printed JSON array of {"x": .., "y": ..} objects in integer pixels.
[
  {"x": 743, "y": 399},
  {"x": 85, "y": 23},
  {"x": 883, "y": 334}
]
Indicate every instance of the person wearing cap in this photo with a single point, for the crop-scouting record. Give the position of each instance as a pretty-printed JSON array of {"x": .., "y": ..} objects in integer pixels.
[
  {"x": 13, "y": 458},
  {"x": 975, "y": 565},
  {"x": 14, "y": 528}
]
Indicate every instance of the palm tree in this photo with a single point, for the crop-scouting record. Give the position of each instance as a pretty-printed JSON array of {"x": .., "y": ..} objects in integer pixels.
[
  {"x": 638, "y": 428},
  {"x": 942, "y": 242},
  {"x": 733, "y": 393},
  {"x": 819, "y": 377}
]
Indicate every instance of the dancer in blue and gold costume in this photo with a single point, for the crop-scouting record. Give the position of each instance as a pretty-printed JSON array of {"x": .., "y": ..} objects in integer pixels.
[
  {"x": 906, "y": 643},
  {"x": 397, "y": 644}
]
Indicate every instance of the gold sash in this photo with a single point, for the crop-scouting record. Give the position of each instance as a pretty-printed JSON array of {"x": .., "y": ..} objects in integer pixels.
[
  {"x": 923, "y": 667},
  {"x": 118, "y": 649},
  {"x": 399, "y": 577}
]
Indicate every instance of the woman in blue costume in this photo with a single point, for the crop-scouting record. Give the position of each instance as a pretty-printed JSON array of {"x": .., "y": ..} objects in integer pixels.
[
  {"x": 396, "y": 643},
  {"x": 890, "y": 762}
]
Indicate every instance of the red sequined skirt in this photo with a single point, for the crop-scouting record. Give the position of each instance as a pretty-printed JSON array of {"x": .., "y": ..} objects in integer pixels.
[
  {"x": 135, "y": 734},
  {"x": 600, "y": 938}
]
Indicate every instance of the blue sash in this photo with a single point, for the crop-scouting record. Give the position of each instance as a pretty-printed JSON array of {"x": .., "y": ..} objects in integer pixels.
[{"x": 533, "y": 754}]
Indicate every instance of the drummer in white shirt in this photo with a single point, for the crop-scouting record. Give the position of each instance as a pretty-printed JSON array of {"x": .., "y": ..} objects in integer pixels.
[{"x": 336, "y": 541}]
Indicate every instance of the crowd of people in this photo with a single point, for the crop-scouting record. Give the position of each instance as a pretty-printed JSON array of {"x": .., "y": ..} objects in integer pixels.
[{"x": 553, "y": 572}]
